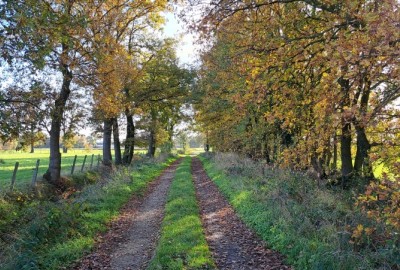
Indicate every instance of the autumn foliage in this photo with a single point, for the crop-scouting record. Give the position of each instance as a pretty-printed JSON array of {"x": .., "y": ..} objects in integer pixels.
[{"x": 311, "y": 86}]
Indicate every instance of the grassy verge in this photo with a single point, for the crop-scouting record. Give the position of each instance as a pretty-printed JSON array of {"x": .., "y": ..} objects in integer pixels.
[
  {"x": 182, "y": 244},
  {"x": 42, "y": 234},
  {"x": 307, "y": 223}
]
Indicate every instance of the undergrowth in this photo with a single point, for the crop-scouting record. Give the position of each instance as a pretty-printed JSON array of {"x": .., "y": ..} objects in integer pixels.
[
  {"x": 45, "y": 232},
  {"x": 311, "y": 225},
  {"x": 182, "y": 244}
]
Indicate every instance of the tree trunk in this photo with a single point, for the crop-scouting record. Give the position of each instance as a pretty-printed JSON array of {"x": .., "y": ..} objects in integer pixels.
[
  {"x": 32, "y": 142},
  {"x": 345, "y": 148},
  {"x": 170, "y": 143},
  {"x": 54, "y": 171},
  {"x": 318, "y": 162},
  {"x": 335, "y": 154},
  {"x": 345, "y": 138},
  {"x": 207, "y": 145},
  {"x": 117, "y": 143},
  {"x": 65, "y": 150},
  {"x": 32, "y": 146},
  {"x": 130, "y": 138},
  {"x": 107, "y": 130},
  {"x": 152, "y": 139},
  {"x": 152, "y": 144},
  {"x": 362, "y": 163}
]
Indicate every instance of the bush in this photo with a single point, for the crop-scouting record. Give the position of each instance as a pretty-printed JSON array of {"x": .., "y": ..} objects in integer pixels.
[{"x": 381, "y": 204}]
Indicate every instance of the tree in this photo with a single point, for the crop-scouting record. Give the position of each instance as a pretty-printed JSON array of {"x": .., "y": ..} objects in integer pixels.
[
  {"x": 286, "y": 77},
  {"x": 23, "y": 112},
  {"x": 164, "y": 88},
  {"x": 30, "y": 36},
  {"x": 120, "y": 41},
  {"x": 74, "y": 49}
]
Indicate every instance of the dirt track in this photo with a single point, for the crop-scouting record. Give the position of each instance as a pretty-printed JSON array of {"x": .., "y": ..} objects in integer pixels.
[
  {"x": 233, "y": 245},
  {"x": 132, "y": 238}
]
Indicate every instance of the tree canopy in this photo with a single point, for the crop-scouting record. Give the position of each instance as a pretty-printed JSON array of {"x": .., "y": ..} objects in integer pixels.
[{"x": 293, "y": 79}]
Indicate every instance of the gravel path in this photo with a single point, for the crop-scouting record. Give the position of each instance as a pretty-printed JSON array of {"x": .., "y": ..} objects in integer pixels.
[
  {"x": 132, "y": 238},
  {"x": 233, "y": 245}
]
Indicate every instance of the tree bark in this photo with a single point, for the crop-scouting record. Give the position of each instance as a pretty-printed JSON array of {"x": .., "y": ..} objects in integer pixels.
[
  {"x": 54, "y": 171},
  {"x": 170, "y": 143},
  {"x": 335, "y": 154},
  {"x": 362, "y": 163},
  {"x": 107, "y": 130},
  {"x": 345, "y": 137},
  {"x": 130, "y": 138},
  {"x": 152, "y": 138},
  {"x": 345, "y": 148},
  {"x": 207, "y": 146},
  {"x": 152, "y": 144},
  {"x": 117, "y": 143},
  {"x": 32, "y": 142}
]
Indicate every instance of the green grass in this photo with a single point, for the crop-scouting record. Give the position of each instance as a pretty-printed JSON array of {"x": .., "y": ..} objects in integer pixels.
[
  {"x": 182, "y": 244},
  {"x": 307, "y": 223},
  {"x": 52, "y": 235},
  {"x": 27, "y": 163},
  {"x": 189, "y": 151}
]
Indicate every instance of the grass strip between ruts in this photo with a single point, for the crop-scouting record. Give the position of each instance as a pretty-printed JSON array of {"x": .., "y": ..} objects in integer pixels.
[{"x": 182, "y": 244}]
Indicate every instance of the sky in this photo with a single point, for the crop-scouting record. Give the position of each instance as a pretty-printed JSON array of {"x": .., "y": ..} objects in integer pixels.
[{"x": 187, "y": 49}]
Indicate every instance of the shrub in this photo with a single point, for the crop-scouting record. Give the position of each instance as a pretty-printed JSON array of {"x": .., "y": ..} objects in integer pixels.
[{"x": 381, "y": 204}]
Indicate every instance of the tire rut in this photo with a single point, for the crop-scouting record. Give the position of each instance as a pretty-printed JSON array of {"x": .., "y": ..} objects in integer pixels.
[
  {"x": 233, "y": 244},
  {"x": 132, "y": 238}
]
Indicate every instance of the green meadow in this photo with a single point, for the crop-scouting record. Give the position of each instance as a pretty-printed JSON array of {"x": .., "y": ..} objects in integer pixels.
[{"x": 27, "y": 163}]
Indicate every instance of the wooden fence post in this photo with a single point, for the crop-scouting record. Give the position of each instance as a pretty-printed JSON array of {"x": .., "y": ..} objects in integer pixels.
[
  {"x": 35, "y": 173},
  {"x": 98, "y": 161},
  {"x": 83, "y": 164},
  {"x": 73, "y": 165},
  {"x": 14, "y": 176},
  {"x": 91, "y": 161}
]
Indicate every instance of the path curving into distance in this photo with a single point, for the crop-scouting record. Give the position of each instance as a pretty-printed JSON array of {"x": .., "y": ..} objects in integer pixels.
[
  {"x": 233, "y": 245},
  {"x": 132, "y": 238}
]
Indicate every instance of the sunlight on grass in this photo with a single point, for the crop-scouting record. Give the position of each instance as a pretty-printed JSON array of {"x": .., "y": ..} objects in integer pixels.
[
  {"x": 182, "y": 244},
  {"x": 27, "y": 162}
]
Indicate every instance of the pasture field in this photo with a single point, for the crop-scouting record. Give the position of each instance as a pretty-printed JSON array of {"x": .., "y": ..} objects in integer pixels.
[{"x": 27, "y": 162}]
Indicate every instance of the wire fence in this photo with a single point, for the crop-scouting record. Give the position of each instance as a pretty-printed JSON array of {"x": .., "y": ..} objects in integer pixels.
[{"x": 30, "y": 171}]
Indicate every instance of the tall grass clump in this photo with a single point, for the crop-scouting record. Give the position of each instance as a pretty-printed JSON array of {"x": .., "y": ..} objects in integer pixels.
[
  {"x": 51, "y": 232},
  {"x": 312, "y": 225}
]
